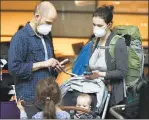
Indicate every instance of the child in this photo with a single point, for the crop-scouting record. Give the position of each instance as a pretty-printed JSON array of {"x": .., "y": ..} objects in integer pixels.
[
  {"x": 48, "y": 94},
  {"x": 83, "y": 101}
]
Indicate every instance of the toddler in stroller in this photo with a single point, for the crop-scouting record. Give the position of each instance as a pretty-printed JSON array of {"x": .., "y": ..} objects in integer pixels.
[
  {"x": 83, "y": 101},
  {"x": 96, "y": 89}
]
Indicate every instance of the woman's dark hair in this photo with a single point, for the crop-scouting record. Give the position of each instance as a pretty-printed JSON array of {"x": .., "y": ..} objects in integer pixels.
[
  {"x": 48, "y": 94},
  {"x": 105, "y": 12}
]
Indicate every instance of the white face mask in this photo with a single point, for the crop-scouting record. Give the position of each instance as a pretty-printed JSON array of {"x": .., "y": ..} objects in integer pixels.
[
  {"x": 99, "y": 32},
  {"x": 44, "y": 29}
]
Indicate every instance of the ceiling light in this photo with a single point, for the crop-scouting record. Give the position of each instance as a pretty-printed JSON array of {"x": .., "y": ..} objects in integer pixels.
[
  {"x": 83, "y": 3},
  {"x": 117, "y": 2}
]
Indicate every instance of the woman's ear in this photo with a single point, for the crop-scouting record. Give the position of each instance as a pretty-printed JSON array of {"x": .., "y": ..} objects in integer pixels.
[{"x": 110, "y": 25}]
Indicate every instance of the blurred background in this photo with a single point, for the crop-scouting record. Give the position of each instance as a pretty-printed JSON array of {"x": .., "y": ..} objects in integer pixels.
[{"x": 73, "y": 27}]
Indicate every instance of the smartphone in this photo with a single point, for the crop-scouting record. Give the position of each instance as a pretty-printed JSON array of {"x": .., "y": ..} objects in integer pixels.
[{"x": 87, "y": 73}]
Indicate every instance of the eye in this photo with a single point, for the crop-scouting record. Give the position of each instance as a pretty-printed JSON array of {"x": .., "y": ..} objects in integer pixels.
[
  {"x": 84, "y": 105},
  {"x": 99, "y": 25}
]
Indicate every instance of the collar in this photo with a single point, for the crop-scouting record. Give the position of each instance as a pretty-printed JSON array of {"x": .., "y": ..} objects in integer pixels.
[{"x": 29, "y": 29}]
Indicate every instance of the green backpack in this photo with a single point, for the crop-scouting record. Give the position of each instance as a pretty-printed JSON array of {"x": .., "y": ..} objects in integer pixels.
[{"x": 135, "y": 52}]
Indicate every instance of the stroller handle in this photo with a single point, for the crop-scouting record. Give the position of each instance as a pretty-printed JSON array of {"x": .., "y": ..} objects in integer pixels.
[
  {"x": 74, "y": 108},
  {"x": 115, "y": 113}
]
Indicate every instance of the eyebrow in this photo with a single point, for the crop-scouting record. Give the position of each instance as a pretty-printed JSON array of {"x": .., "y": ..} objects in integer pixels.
[{"x": 97, "y": 24}]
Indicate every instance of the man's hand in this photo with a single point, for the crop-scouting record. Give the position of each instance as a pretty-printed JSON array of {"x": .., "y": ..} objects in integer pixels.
[
  {"x": 54, "y": 64},
  {"x": 62, "y": 63},
  {"x": 48, "y": 63},
  {"x": 51, "y": 63}
]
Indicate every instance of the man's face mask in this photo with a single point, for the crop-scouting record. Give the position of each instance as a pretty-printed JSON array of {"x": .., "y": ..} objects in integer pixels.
[
  {"x": 44, "y": 29},
  {"x": 99, "y": 31}
]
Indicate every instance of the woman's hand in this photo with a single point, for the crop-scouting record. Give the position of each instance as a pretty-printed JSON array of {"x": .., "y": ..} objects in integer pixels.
[{"x": 95, "y": 75}]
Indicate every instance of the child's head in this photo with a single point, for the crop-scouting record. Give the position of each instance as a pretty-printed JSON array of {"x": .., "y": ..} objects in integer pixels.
[
  {"x": 84, "y": 101},
  {"x": 48, "y": 94}
]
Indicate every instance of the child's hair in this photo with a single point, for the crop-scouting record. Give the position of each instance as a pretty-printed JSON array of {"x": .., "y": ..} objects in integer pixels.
[
  {"x": 86, "y": 96},
  {"x": 48, "y": 94}
]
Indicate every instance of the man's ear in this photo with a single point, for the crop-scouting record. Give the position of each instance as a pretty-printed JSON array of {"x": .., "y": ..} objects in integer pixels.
[{"x": 37, "y": 16}]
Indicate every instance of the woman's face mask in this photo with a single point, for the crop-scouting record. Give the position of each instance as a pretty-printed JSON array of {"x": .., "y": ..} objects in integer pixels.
[
  {"x": 100, "y": 27},
  {"x": 99, "y": 31},
  {"x": 44, "y": 29}
]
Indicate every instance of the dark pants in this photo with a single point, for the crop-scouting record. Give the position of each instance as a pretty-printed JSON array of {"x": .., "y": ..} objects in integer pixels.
[
  {"x": 144, "y": 102},
  {"x": 31, "y": 109}
]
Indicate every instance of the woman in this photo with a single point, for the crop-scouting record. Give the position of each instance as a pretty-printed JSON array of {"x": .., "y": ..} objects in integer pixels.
[
  {"x": 101, "y": 63},
  {"x": 49, "y": 96}
]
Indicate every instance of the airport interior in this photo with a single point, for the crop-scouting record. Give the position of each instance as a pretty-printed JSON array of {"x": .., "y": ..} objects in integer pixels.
[{"x": 71, "y": 31}]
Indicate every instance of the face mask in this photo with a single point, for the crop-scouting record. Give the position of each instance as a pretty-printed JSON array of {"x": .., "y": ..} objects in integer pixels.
[
  {"x": 99, "y": 32},
  {"x": 44, "y": 29}
]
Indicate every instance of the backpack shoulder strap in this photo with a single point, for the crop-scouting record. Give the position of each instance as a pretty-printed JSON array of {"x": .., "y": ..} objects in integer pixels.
[
  {"x": 112, "y": 45},
  {"x": 95, "y": 44}
]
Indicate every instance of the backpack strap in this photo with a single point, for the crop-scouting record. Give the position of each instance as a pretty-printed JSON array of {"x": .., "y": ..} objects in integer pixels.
[
  {"x": 142, "y": 62},
  {"x": 95, "y": 44},
  {"x": 112, "y": 45},
  {"x": 112, "y": 53}
]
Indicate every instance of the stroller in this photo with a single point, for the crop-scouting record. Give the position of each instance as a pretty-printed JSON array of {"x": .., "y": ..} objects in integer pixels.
[{"x": 70, "y": 96}]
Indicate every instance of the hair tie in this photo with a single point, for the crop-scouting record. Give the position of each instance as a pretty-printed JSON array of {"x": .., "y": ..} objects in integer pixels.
[{"x": 48, "y": 98}]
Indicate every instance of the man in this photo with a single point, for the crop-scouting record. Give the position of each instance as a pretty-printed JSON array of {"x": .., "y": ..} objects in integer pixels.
[{"x": 30, "y": 56}]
